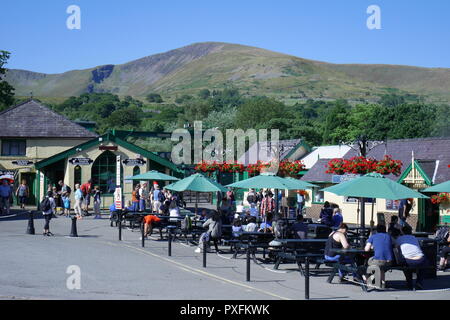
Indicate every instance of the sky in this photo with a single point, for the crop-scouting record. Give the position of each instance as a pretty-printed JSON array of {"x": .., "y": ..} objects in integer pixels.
[{"x": 113, "y": 32}]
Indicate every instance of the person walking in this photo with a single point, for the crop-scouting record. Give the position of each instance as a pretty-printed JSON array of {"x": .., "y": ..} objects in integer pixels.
[
  {"x": 5, "y": 195},
  {"x": 97, "y": 202},
  {"x": 22, "y": 194},
  {"x": 78, "y": 201},
  {"x": 48, "y": 206},
  {"x": 403, "y": 211}
]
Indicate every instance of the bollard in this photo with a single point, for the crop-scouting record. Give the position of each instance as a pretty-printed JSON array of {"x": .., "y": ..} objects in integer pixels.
[
  {"x": 73, "y": 231},
  {"x": 248, "y": 263},
  {"x": 142, "y": 233},
  {"x": 170, "y": 242},
  {"x": 307, "y": 278},
  {"x": 204, "y": 253},
  {"x": 30, "y": 228}
]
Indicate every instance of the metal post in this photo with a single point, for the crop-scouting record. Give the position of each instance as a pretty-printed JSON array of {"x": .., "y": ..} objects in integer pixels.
[
  {"x": 30, "y": 228},
  {"x": 307, "y": 278},
  {"x": 119, "y": 215},
  {"x": 204, "y": 253},
  {"x": 362, "y": 238},
  {"x": 248, "y": 263},
  {"x": 142, "y": 233},
  {"x": 73, "y": 231},
  {"x": 170, "y": 242}
]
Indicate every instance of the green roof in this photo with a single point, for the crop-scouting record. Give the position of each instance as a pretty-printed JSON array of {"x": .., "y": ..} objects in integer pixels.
[{"x": 108, "y": 137}]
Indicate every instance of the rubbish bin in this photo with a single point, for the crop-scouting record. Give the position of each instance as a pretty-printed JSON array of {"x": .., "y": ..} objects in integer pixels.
[{"x": 430, "y": 250}]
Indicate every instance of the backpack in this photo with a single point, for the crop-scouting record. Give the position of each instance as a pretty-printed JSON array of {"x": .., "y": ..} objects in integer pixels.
[
  {"x": 442, "y": 235},
  {"x": 45, "y": 204},
  {"x": 186, "y": 224}
]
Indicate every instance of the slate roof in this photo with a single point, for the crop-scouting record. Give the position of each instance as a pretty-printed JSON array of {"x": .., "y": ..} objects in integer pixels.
[
  {"x": 433, "y": 155},
  {"x": 317, "y": 172},
  {"x": 31, "y": 119}
]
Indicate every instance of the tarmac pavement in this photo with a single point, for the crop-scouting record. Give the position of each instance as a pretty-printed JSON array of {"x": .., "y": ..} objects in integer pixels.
[{"x": 35, "y": 267}]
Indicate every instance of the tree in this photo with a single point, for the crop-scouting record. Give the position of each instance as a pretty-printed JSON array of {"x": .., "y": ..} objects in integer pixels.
[
  {"x": 154, "y": 97},
  {"x": 259, "y": 110},
  {"x": 6, "y": 90}
]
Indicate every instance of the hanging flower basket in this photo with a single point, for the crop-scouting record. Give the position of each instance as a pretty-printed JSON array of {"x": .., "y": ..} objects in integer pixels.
[
  {"x": 443, "y": 197},
  {"x": 362, "y": 165},
  {"x": 291, "y": 168},
  {"x": 257, "y": 167}
]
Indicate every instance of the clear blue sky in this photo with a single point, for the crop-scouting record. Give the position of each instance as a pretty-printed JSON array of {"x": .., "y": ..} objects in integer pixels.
[{"x": 413, "y": 32}]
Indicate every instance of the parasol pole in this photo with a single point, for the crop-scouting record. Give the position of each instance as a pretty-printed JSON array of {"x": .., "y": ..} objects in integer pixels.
[
  {"x": 196, "y": 203},
  {"x": 372, "y": 223}
]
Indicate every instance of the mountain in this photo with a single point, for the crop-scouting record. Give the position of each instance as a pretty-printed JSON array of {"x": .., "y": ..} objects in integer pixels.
[{"x": 253, "y": 71}]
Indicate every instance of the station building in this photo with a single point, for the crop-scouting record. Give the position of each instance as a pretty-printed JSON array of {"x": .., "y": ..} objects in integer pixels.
[{"x": 42, "y": 147}]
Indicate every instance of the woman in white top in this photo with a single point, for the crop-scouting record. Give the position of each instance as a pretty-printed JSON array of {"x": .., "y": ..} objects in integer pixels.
[{"x": 174, "y": 211}]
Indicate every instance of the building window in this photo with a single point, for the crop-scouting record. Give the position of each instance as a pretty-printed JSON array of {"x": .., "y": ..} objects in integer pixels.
[
  {"x": 77, "y": 175},
  {"x": 104, "y": 172},
  {"x": 14, "y": 147},
  {"x": 136, "y": 171}
]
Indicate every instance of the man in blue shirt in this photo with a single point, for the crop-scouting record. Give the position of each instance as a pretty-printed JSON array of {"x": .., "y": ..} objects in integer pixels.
[
  {"x": 300, "y": 228},
  {"x": 5, "y": 195},
  {"x": 381, "y": 243}
]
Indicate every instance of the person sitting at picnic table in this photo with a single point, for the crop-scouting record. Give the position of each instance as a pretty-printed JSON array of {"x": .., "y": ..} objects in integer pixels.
[
  {"x": 253, "y": 210},
  {"x": 413, "y": 254},
  {"x": 394, "y": 224},
  {"x": 337, "y": 217},
  {"x": 381, "y": 243},
  {"x": 174, "y": 211},
  {"x": 203, "y": 216},
  {"x": 326, "y": 214},
  {"x": 300, "y": 228},
  {"x": 214, "y": 225},
  {"x": 444, "y": 255},
  {"x": 251, "y": 226},
  {"x": 150, "y": 221},
  {"x": 266, "y": 226},
  {"x": 338, "y": 240},
  {"x": 236, "y": 228},
  {"x": 164, "y": 208}
]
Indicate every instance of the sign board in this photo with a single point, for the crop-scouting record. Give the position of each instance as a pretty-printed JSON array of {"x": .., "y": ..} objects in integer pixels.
[
  {"x": 110, "y": 148},
  {"x": 392, "y": 204},
  {"x": 7, "y": 172},
  {"x": 118, "y": 198},
  {"x": 118, "y": 192},
  {"x": 134, "y": 162},
  {"x": 22, "y": 162},
  {"x": 344, "y": 177},
  {"x": 81, "y": 161}
]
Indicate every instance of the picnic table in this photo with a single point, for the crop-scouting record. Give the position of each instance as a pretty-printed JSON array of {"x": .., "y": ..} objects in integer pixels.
[
  {"x": 250, "y": 242},
  {"x": 357, "y": 270},
  {"x": 290, "y": 248}
]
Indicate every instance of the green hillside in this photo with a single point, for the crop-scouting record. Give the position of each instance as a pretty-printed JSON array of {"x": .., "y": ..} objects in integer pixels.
[{"x": 252, "y": 70}]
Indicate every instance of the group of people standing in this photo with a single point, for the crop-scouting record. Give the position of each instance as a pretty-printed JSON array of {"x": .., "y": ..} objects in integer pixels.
[{"x": 6, "y": 195}]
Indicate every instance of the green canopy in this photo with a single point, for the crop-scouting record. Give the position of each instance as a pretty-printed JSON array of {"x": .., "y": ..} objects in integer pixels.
[
  {"x": 271, "y": 181},
  {"x": 374, "y": 185},
  {"x": 197, "y": 183},
  {"x": 153, "y": 175},
  {"x": 441, "y": 187}
]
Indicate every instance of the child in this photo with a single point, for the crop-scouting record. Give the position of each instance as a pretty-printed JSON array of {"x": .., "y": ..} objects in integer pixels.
[
  {"x": 237, "y": 229},
  {"x": 66, "y": 204},
  {"x": 97, "y": 202}
]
